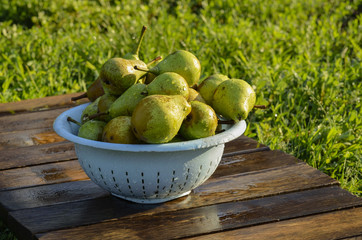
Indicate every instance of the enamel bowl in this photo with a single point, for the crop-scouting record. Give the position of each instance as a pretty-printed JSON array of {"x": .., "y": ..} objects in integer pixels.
[{"x": 147, "y": 173}]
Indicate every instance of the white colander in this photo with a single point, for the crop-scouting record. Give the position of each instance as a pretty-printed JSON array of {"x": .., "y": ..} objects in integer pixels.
[{"x": 147, "y": 173}]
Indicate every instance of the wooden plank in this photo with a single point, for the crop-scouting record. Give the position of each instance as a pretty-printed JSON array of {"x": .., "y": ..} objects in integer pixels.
[
  {"x": 33, "y": 155},
  {"x": 212, "y": 192},
  {"x": 133, "y": 222},
  {"x": 242, "y": 145},
  {"x": 28, "y": 138},
  {"x": 41, "y": 174},
  {"x": 53, "y": 194},
  {"x": 40, "y": 103},
  {"x": 233, "y": 165},
  {"x": 29, "y": 120},
  {"x": 253, "y": 162},
  {"x": 334, "y": 225}
]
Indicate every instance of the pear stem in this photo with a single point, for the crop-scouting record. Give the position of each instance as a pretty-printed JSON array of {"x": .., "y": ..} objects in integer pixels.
[
  {"x": 154, "y": 60},
  {"x": 260, "y": 106},
  {"x": 225, "y": 121},
  {"x": 84, "y": 95},
  {"x": 97, "y": 115},
  {"x": 69, "y": 119},
  {"x": 141, "y": 69},
  {"x": 140, "y": 40}
]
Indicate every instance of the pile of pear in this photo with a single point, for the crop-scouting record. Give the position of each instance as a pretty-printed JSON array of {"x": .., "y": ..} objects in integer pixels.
[{"x": 160, "y": 102}]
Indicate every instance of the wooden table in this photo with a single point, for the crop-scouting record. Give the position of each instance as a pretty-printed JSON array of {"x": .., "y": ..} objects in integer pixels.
[{"x": 255, "y": 193}]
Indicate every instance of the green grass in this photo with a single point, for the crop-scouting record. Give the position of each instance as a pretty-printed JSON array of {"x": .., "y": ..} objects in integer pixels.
[{"x": 302, "y": 57}]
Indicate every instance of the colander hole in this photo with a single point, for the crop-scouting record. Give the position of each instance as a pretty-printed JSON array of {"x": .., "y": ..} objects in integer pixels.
[
  {"x": 200, "y": 167},
  {"x": 142, "y": 174},
  {"x": 89, "y": 166},
  {"x": 112, "y": 172},
  {"x": 100, "y": 169},
  {"x": 114, "y": 180},
  {"x": 126, "y": 173},
  {"x": 127, "y": 180},
  {"x": 174, "y": 172},
  {"x": 102, "y": 176}
]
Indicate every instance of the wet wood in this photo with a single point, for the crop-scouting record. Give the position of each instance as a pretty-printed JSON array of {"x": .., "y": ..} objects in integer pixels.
[
  {"x": 216, "y": 191},
  {"x": 334, "y": 225},
  {"x": 40, "y": 104},
  {"x": 41, "y": 175},
  {"x": 28, "y": 138},
  {"x": 53, "y": 194},
  {"x": 255, "y": 161},
  {"x": 200, "y": 220},
  {"x": 29, "y": 120},
  {"x": 34, "y": 155}
]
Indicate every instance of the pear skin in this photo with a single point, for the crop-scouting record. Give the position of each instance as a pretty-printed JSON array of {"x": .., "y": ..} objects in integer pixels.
[
  {"x": 90, "y": 110},
  {"x": 92, "y": 130},
  {"x": 118, "y": 74},
  {"x": 208, "y": 86},
  {"x": 126, "y": 103},
  {"x": 119, "y": 130},
  {"x": 158, "y": 118},
  {"x": 182, "y": 62},
  {"x": 200, "y": 123},
  {"x": 234, "y": 99},
  {"x": 169, "y": 83},
  {"x": 195, "y": 96}
]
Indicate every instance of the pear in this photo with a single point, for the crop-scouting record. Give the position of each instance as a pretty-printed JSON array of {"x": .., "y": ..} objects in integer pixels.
[
  {"x": 126, "y": 103},
  {"x": 91, "y": 129},
  {"x": 201, "y": 122},
  {"x": 207, "y": 86},
  {"x": 90, "y": 110},
  {"x": 158, "y": 118},
  {"x": 182, "y": 62},
  {"x": 234, "y": 99},
  {"x": 104, "y": 104},
  {"x": 94, "y": 91},
  {"x": 195, "y": 96},
  {"x": 169, "y": 83},
  {"x": 118, "y": 74},
  {"x": 119, "y": 130}
]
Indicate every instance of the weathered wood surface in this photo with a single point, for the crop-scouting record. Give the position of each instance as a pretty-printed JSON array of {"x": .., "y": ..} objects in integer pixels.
[{"x": 255, "y": 193}]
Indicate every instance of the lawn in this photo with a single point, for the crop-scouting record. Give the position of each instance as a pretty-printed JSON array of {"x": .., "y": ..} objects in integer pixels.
[{"x": 302, "y": 57}]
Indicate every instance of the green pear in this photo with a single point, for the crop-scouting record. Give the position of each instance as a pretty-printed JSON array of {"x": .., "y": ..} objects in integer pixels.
[
  {"x": 158, "y": 118},
  {"x": 182, "y": 62},
  {"x": 234, "y": 99},
  {"x": 126, "y": 103},
  {"x": 90, "y": 110},
  {"x": 169, "y": 83},
  {"x": 195, "y": 96},
  {"x": 104, "y": 104},
  {"x": 94, "y": 91},
  {"x": 118, "y": 74},
  {"x": 207, "y": 86},
  {"x": 92, "y": 130},
  {"x": 201, "y": 122},
  {"x": 119, "y": 130}
]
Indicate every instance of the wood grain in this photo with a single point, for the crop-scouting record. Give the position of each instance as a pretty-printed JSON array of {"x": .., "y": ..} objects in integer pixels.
[
  {"x": 334, "y": 225},
  {"x": 29, "y": 137},
  {"x": 41, "y": 174},
  {"x": 34, "y": 155},
  {"x": 40, "y": 104},
  {"x": 205, "y": 219},
  {"x": 29, "y": 120},
  {"x": 213, "y": 192}
]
